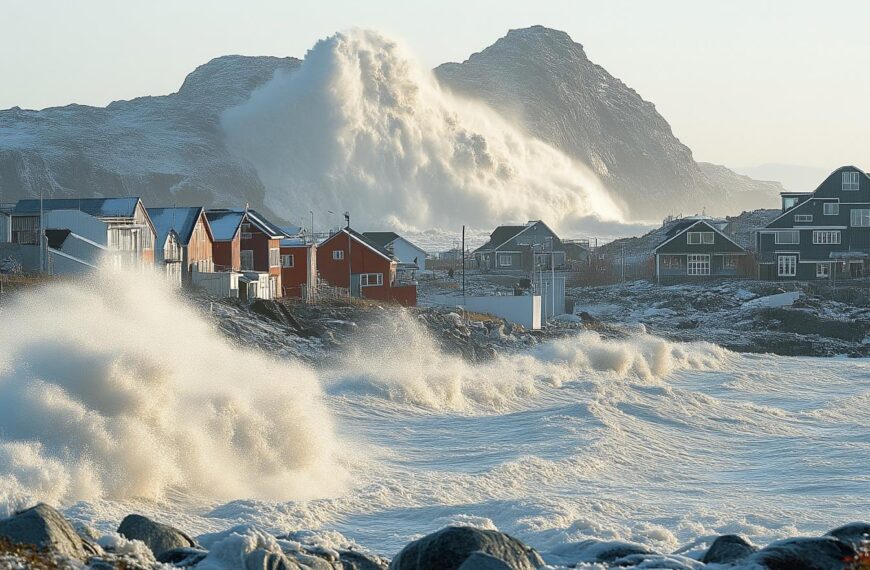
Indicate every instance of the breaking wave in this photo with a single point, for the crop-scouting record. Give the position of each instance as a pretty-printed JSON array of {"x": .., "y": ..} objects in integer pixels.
[
  {"x": 115, "y": 388},
  {"x": 403, "y": 363},
  {"x": 362, "y": 126}
]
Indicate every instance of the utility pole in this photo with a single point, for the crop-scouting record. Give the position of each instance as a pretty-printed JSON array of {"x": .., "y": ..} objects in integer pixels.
[
  {"x": 312, "y": 225},
  {"x": 349, "y": 263},
  {"x": 41, "y": 234},
  {"x": 463, "y": 264},
  {"x": 623, "y": 264}
]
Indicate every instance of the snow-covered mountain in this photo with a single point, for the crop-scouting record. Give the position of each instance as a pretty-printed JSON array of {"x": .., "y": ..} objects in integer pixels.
[
  {"x": 544, "y": 79},
  {"x": 359, "y": 125}
]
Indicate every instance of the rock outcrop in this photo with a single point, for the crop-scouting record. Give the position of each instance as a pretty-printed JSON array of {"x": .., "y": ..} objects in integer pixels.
[{"x": 451, "y": 547}]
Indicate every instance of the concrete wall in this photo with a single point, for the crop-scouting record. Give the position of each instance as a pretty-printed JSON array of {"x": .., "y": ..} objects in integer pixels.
[{"x": 521, "y": 309}]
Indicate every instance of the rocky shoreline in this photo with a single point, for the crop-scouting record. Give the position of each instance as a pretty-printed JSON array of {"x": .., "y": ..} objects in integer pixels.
[{"x": 42, "y": 538}]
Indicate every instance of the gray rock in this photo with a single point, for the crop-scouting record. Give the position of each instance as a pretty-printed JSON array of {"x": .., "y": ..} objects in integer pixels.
[
  {"x": 158, "y": 537},
  {"x": 727, "y": 549},
  {"x": 856, "y": 534},
  {"x": 450, "y": 547},
  {"x": 352, "y": 560},
  {"x": 262, "y": 559},
  {"x": 596, "y": 551},
  {"x": 825, "y": 553},
  {"x": 482, "y": 561},
  {"x": 45, "y": 528},
  {"x": 182, "y": 557}
]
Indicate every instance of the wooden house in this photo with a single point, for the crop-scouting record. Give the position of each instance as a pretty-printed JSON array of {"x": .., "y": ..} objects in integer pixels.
[
  {"x": 527, "y": 248},
  {"x": 350, "y": 260},
  {"x": 696, "y": 248},
  {"x": 130, "y": 237},
  {"x": 298, "y": 268},
  {"x": 824, "y": 234},
  {"x": 194, "y": 235}
]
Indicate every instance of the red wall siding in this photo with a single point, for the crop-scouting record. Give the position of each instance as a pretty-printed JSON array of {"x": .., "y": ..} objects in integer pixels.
[
  {"x": 293, "y": 278},
  {"x": 364, "y": 260},
  {"x": 226, "y": 255}
]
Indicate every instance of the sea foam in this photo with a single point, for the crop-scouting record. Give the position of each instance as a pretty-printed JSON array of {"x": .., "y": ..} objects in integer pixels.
[{"x": 113, "y": 387}]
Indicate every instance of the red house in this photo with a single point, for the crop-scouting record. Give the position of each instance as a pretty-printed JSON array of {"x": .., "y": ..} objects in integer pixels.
[
  {"x": 226, "y": 228},
  {"x": 350, "y": 260},
  {"x": 298, "y": 268}
]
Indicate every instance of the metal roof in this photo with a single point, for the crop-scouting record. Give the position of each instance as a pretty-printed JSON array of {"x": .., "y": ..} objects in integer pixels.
[
  {"x": 224, "y": 223},
  {"x": 97, "y": 207},
  {"x": 180, "y": 219}
]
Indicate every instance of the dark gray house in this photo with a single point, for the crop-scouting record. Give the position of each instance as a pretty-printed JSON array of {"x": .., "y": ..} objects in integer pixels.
[
  {"x": 696, "y": 248},
  {"x": 820, "y": 234},
  {"x": 521, "y": 249}
]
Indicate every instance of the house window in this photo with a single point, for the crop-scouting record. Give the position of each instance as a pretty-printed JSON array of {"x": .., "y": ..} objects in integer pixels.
[
  {"x": 274, "y": 257},
  {"x": 729, "y": 262},
  {"x": 823, "y": 269},
  {"x": 247, "y": 259},
  {"x": 247, "y": 235},
  {"x": 371, "y": 279},
  {"x": 826, "y": 237},
  {"x": 246, "y": 227},
  {"x": 831, "y": 209},
  {"x": 788, "y": 202},
  {"x": 850, "y": 181},
  {"x": 803, "y": 218},
  {"x": 672, "y": 261},
  {"x": 698, "y": 264},
  {"x": 338, "y": 255},
  {"x": 287, "y": 261},
  {"x": 505, "y": 260},
  {"x": 860, "y": 218},
  {"x": 695, "y": 238},
  {"x": 788, "y": 237},
  {"x": 786, "y": 265}
]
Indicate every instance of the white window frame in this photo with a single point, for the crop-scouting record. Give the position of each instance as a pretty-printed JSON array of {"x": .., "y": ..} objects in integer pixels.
[
  {"x": 826, "y": 237},
  {"x": 780, "y": 237},
  {"x": 371, "y": 279},
  {"x": 700, "y": 238},
  {"x": 338, "y": 255},
  {"x": 249, "y": 255},
  {"x": 863, "y": 217},
  {"x": 803, "y": 217},
  {"x": 505, "y": 256},
  {"x": 786, "y": 266},
  {"x": 288, "y": 260},
  {"x": 823, "y": 269},
  {"x": 729, "y": 262},
  {"x": 274, "y": 257},
  {"x": 831, "y": 209},
  {"x": 697, "y": 264},
  {"x": 851, "y": 182},
  {"x": 672, "y": 261},
  {"x": 247, "y": 235}
]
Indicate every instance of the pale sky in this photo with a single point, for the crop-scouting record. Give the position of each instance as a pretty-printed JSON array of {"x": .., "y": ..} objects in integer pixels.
[{"x": 742, "y": 82}]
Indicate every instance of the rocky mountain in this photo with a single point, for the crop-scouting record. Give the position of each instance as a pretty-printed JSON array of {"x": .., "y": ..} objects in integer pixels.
[
  {"x": 167, "y": 149},
  {"x": 173, "y": 148},
  {"x": 545, "y": 80}
]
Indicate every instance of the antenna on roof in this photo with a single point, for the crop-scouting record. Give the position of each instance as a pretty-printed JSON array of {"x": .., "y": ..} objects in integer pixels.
[{"x": 347, "y": 219}]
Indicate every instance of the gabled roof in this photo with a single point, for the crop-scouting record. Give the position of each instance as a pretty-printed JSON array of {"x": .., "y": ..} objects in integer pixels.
[
  {"x": 97, "y": 207},
  {"x": 384, "y": 239},
  {"x": 265, "y": 225},
  {"x": 180, "y": 219},
  {"x": 500, "y": 235},
  {"x": 679, "y": 229},
  {"x": 363, "y": 240},
  {"x": 224, "y": 224},
  {"x": 819, "y": 187}
]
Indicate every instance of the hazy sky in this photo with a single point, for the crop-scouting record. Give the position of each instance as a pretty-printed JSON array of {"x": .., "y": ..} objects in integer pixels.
[{"x": 742, "y": 82}]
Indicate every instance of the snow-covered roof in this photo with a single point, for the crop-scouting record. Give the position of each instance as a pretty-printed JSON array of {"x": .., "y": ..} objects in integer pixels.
[
  {"x": 182, "y": 220},
  {"x": 265, "y": 225},
  {"x": 294, "y": 242},
  {"x": 97, "y": 207}
]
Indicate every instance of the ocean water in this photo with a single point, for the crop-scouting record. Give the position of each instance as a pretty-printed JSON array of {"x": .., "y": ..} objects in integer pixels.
[{"x": 131, "y": 403}]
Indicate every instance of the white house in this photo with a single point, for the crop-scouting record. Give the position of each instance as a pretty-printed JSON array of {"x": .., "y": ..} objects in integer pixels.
[{"x": 405, "y": 251}]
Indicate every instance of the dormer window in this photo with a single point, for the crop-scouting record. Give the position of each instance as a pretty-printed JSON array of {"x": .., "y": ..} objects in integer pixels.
[
  {"x": 788, "y": 202},
  {"x": 850, "y": 182}
]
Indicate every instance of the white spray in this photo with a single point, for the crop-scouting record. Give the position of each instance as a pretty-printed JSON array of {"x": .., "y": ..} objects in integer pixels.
[
  {"x": 363, "y": 127},
  {"x": 117, "y": 389}
]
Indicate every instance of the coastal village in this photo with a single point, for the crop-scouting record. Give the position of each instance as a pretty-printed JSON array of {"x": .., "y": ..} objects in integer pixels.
[{"x": 524, "y": 273}]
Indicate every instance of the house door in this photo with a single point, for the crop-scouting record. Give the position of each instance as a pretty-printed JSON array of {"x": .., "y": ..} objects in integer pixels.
[
  {"x": 355, "y": 290},
  {"x": 856, "y": 269}
]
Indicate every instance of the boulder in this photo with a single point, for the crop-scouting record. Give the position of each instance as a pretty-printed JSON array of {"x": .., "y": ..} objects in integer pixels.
[
  {"x": 353, "y": 560},
  {"x": 182, "y": 557},
  {"x": 856, "y": 534},
  {"x": 482, "y": 561},
  {"x": 262, "y": 559},
  {"x": 825, "y": 553},
  {"x": 158, "y": 537},
  {"x": 596, "y": 551},
  {"x": 450, "y": 547},
  {"x": 46, "y": 529},
  {"x": 727, "y": 549}
]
